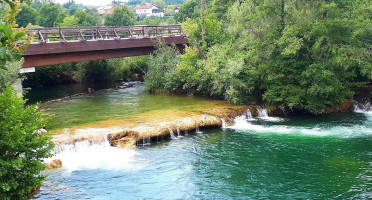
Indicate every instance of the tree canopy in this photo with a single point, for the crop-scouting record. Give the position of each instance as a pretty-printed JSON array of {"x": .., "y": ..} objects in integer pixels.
[
  {"x": 290, "y": 54},
  {"x": 48, "y": 14},
  {"x": 121, "y": 16}
]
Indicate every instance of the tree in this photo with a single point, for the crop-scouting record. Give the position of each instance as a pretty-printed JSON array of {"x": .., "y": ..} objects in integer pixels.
[
  {"x": 22, "y": 146},
  {"x": 84, "y": 19},
  {"x": 162, "y": 68},
  {"x": 190, "y": 9},
  {"x": 121, "y": 16},
  {"x": 48, "y": 14},
  {"x": 70, "y": 21},
  {"x": 10, "y": 49},
  {"x": 59, "y": 20},
  {"x": 11, "y": 3},
  {"x": 170, "y": 10},
  {"x": 68, "y": 4},
  {"x": 27, "y": 15},
  {"x": 160, "y": 4}
]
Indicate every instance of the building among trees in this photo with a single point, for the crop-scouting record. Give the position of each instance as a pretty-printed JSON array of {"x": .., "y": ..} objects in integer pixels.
[
  {"x": 148, "y": 10},
  {"x": 106, "y": 10}
]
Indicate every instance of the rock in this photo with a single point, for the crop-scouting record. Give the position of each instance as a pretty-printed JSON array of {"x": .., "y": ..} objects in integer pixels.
[
  {"x": 346, "y": 106},
  {"x": 65, "y": 139},
  {"x": 57, "y": 163},
  {"x": 229, "y": 114},
  {"x": 125, "y": 139},
  {"x": 130, "y": 137}
]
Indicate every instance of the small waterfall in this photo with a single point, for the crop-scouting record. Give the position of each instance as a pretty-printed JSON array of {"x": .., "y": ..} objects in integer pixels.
[
  {"x": 171, "y": 133},
  {"x": 365, "y": 107},
  {"x": 92, "y": 155},
  {"x": 249, "y": 115},
  {"x": 197, "y": 130},
  {"x": 186, "y": 132},
  {"x": 178, "y": 132},
  {"x": 262, "y": 112},
  {"x": 224, "y": 125},
  {"x": 146, "y": 141}
]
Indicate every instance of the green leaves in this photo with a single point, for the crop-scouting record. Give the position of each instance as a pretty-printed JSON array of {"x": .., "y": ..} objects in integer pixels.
[
  {"x": 22, "y": 146},
  {"x": 293, "y": 54},
  {"x": 6, "y": 54}
]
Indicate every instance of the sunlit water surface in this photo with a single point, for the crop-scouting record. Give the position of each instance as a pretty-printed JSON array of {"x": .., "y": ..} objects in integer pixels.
[{"x": 269, "y": 158}]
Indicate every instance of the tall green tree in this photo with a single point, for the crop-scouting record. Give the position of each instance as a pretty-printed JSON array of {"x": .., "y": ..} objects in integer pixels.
[
  {"x": 189, "y": 9},
  {"x": 70, "y": 21},
  {"x": 60, "y": 18},
  {"x": 85, "y": 19},
  {"x": 27, "y": 15},
  {"x": 48, "y": 14},
  {"x": 160, "y": 4},
  {"x": 122, "y": 16},
  {"x": 291, "y": 54}
]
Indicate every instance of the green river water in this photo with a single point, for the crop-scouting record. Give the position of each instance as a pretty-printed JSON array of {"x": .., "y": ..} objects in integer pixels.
[{"x": 303, "y": 157}]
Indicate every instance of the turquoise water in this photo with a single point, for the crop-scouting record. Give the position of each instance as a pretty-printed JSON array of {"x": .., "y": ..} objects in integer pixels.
[{"x": 270, "y": 158}]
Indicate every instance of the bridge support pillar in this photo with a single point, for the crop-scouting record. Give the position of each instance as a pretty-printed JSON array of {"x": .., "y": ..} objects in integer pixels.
[
  {"x": 18, "y": 88},
  {"x": 17, "y": 84}
]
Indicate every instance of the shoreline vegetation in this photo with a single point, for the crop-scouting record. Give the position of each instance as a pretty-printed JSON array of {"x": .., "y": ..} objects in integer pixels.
[{"x": 288, "y": 56}]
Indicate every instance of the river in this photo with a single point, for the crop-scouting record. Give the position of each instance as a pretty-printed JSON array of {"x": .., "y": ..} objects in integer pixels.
[{"x": 303, "y": 157}]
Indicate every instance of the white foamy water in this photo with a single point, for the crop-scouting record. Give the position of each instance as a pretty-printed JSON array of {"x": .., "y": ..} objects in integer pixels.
[
  {"x": 85, "y": 155},
  {"x": 241, "y": 123},
  {"x": 363, "y": 108},
  {"x": 224, "y": 125},
  {"x": 262, "y": 114}
]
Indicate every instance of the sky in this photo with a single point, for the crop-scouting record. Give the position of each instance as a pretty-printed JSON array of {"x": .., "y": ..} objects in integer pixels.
[{"x": 88, "y": 2}]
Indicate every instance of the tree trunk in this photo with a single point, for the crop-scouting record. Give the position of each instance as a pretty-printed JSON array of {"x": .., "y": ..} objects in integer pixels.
[
  {"x": 283, "y": 15},
  {"x": 202, "y": 18}
]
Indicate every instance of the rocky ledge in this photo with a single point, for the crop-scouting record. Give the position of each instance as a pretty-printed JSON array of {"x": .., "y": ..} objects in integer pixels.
[{"x": 213, "y": 118}]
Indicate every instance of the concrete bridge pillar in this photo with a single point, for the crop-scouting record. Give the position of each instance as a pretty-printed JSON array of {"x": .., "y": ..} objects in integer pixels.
[{"x": 17, "y": 85}]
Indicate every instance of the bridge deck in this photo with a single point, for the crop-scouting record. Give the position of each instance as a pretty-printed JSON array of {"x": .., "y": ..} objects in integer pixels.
[{"x": 65, "y": 45}]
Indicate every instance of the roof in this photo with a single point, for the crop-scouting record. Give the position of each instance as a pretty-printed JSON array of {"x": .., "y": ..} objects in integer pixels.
[
  {"x": 146, "y": 6},
  {"x": 174, "y": 6}
]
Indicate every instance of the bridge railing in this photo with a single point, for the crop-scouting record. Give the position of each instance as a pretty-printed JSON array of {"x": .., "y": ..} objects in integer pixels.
[{"x": 46, "y": 35}]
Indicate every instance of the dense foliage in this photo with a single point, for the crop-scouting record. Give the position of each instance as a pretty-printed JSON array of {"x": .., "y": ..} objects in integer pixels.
[
  {"x": 161, "y": 70},
  {"x": 48, "y": 14},
  {"x": 292, "y": 54},
  {"x": 121, "y": 16},
  {"x": 22, "y": 146},
  {"x": 89, "y": 71}
]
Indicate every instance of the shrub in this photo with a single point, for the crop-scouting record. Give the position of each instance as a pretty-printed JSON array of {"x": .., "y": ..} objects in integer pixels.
[
  {"x": 161, "y": 73},
  {"x": 22, "y": 146}
]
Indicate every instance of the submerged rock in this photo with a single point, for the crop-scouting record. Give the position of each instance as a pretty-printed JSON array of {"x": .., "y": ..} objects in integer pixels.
[{"x": 57, "y": 163}]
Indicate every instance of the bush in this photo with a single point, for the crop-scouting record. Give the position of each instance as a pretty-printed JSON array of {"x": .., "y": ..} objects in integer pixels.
[
  {"x": 22, "y": 146},
  {"x": 161, "y": 73},
  {"x": 10, "y": 73}
]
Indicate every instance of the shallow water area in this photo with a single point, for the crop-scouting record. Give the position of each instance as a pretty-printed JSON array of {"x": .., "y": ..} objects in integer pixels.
[
  {"x": 110, "y": 107},
  {"x": 302, "y": 157}
]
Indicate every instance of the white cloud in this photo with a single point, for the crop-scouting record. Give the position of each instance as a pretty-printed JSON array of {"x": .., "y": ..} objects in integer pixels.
[{"x": 88, "y": 2}]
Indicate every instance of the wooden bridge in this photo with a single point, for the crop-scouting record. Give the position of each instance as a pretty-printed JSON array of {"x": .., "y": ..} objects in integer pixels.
[{"x": 66, "y": 45}]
